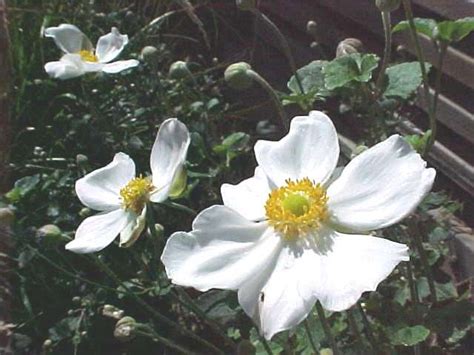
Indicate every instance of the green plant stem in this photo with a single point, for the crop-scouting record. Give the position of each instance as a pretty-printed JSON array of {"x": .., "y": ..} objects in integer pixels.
[
  {"x": 387, "y": 28},
  {"x": 166, "y": 342},
  {"x": 180, "y": 207},
  {"x": 424, "y": 73},
  {"x": 284, "y": 44},
  {"x": 268, "y": 88},
  {"x": 265, "y": 343},
  {"x": 354, "y": 329},
  {"x": 152, "y": 311},
  {"x": 414, "y": 299},
  {"x": 416, "y": 236},
  {"x": 327, "y": 329},
  {"x": 310, "y": 336},
  {"x": 189, "y": 303},
  {"x": 368, "y": 329}
]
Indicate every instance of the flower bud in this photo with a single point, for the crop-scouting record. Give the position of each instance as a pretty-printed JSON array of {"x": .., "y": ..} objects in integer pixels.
[
  {"x": 7, "y": 216},
  {"x": 349, "y": 46},
  {"x": 245, "y": 5},
  {"x": 326, "y": 351},
  {"x": 159, "y": 231},
  {"x": 312, "y": 28},
  {"x": 149, "y": 54},
  {"x": 81, "y": 159},
  {"x": 236, "y": 76},
  {"x": 179, "y": 70},
  {"x": 85, "y": 212},
  {"x": 124, "y": 329},
  {"x": 48, "y": 343},
  {"x": 49, "y": 234},
  {"x": 112, "y": 312},
  {"x": 387, "y": 5}
]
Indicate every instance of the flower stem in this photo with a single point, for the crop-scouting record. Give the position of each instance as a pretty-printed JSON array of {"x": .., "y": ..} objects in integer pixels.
[
  {"x": 276, "y": 101},
  {"x": 154, "y": 312},
  {"x": 424, "y": 74},
  {"x": 284, "y": 45},
  {"x": 189, "y": 303},
  {"x": 354, "y": 329},
  {"x": 265, "y": 343},
  {"x": 146, "y": 331},
  {"x": 180, "y": 207},
  {"x": 387, "y": 27},
  {"x": 414, "y": 299},
  {"x": 327, "y": 329},
  {"x": 368, "y": 329},
  {"x": 310, "y": 336}
]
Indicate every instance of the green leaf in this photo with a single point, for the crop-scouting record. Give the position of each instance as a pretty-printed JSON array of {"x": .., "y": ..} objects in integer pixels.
[
  {"x": 312, "y": 79},
  {"x": 426, "y": 26},
  {"x": 410, "y": 336},
  {"x": 455, "y": 31},
  {"x": 22, "y": 187},
  {"x": 350, "y": 68},
  {"x": 404, "y": 79},
  {"x": 444, "y": 291}
]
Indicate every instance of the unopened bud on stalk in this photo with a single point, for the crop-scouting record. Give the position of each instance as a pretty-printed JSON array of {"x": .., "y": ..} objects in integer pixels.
[
  {"x": 81, "y": 159},
  {"x": 245, "y": 5},
  {"x": 149, "y": 54},
  {"x": 49, "y": 234},
  {"x": 124, "y": 329},
  {"x": 112, "y": 312},
  {"x": 349, "y": 46},
  {"x": 387, "y": 5},
  {"x": 236, "y": 76},
  {"x": 312, "y": 28},
  {"x": 179, "y": 70},
  {"x": 7, "y": 216},
  {"x": 326, "y": 351},
  {"x": 48, "y": 343}
]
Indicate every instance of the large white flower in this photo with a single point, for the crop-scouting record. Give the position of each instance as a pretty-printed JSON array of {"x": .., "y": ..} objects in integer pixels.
[
  {"x": 282, "y": 239},
  {"x": 121, "y": 196},
  {"x": 79, "y": 56}
]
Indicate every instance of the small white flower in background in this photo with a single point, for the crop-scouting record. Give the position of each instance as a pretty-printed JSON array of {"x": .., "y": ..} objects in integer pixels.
[
  {"x": 296, "y": 233},
  {"x": 80, "y": 57},
  {"x": 121, "y": 196}
]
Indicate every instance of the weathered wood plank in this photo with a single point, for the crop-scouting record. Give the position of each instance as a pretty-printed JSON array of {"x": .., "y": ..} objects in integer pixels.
[{"x": 451, "y": 9}]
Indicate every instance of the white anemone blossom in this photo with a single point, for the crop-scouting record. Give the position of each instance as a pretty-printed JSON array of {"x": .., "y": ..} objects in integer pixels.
[
  {"x": 79, "y": 55},
  {"x": 121, "y": 196},
  {"x": 294, "y": 233}
]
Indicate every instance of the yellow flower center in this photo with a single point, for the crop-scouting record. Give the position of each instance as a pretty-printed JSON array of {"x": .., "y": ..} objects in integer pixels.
[
  {"x": 136, "y": 194},
  {"x": 88, "y": 56},
  {"x": 298, "y": 208}
]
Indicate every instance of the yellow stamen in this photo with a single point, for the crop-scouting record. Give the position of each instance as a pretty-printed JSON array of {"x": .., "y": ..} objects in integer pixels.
[
  {"x": 88, "y": 56},
  {"x": 298, "y": 208},
  {"x": 136, "y": 194}
]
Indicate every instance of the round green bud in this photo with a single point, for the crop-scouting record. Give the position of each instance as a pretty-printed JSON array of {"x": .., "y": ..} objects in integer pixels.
[
  {"x": 7, "y": 216},
  {"x": 387, "y": 5},
  {"x": 85, "y": 212},
  {"x": 49, "y": 234},
  {"x": 179, "y": 70},
  {"x": 124, "y": 329},
  {"x": 48, "y": 343},
  {"x": 76, "y": 300},
  {"x": 81, "y": 159},
  {"x": 236, "y": 76},
  {"x": 312, "y": 28},
  {"x": 245, "y": 5},
  {"x": 149, "y": 54},
  {"x": 349, "y": 46},
  {"x": 326, "y": 351},
  {"x": 159, "y": 231}
]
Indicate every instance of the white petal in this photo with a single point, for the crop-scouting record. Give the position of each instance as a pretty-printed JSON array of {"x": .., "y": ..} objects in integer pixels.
[
  {"x": 248, "y": 197},
  {"x": 379, "y": 187},
  {"x": 110, "y": 45},
  {"x": 69, "y": 38},
  {"x": 68, "y": 67},
  {"x": 168, "y": 156},
  {"x": 100, "y": 189},
  {"x": 310, "y": 149},
  {"x": 133, "y": 230},
  {"x": 97, "y": 232},
  {"x": 224, "y": 250},
  {"x": 336, "y": 273},
  {"x": 118, "y": 66}
]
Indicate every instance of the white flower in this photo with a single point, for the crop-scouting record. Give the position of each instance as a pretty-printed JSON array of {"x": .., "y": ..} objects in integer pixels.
[
  {"x": 80, "y": 57},
  {"x": 121, "y": 196},
  {"x": 281, "y": 239}
]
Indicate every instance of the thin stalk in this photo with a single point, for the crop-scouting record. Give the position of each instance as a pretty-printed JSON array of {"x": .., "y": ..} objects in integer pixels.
[
  {"x": 265, "y": 343},
  {"x": 439, "y": 74},
  {"x": 387, "y": 53},
  {"x": 189, "y": 303},
  {"x": 424, "y": 73},
  {"x": 414, "y": 299},
  {"x": 416, "y": 236},
  {"x": 284, "y": 44},
  {"x": 180, "y": 207},
  {"x": 276, "y": 101},
  {"x": 327, "y": 329},
  {"x": 310, "y": 336},
  {"x": 154, "y": 312},
  {"x": 166, "y": 342},
  {"x": 368, "y": 329},
  {"x": 354, "y": 329}
]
